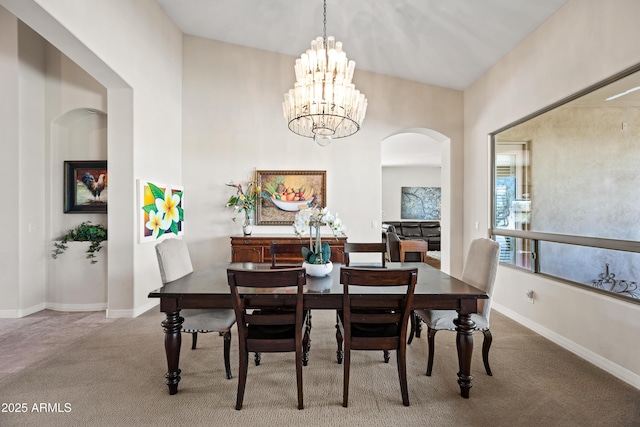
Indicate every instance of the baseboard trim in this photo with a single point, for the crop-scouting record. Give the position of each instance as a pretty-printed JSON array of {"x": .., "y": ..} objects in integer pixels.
[
  {"x": 111, "y": 313},
  {"x": 588, "y": 355},
  {"x": 18, "y": 313},
  {"x": 130, "y": 313},
  {"x": 76, "y": 307}
]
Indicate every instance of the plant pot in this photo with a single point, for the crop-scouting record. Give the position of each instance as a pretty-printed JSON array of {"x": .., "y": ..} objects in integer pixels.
[{"x": 318, "y": 270}]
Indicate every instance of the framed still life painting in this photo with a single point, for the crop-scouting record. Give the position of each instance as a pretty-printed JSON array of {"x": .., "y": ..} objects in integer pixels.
[{"x": 284, "y": 193}]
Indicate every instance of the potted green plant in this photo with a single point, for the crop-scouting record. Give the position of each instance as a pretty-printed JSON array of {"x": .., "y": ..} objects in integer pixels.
[{"x": 85, "y": 232}]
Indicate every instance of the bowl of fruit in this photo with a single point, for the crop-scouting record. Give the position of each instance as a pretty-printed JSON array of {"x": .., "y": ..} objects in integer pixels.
[{"x": 291, "y": 199}]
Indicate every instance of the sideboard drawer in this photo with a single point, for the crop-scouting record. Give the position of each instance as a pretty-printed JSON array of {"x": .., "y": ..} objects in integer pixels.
[{"x": 256, "y": 248}]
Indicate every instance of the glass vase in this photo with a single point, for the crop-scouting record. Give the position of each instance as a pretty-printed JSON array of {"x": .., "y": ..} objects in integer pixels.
[{"x": 247, "y": 227}]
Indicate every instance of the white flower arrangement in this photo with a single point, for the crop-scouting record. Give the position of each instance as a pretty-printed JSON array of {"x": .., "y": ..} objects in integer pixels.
[{"x": 312, "y": 218}]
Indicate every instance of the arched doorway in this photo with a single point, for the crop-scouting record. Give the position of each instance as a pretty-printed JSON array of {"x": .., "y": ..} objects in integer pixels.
[
  {"x": 73, "y": 284},
  {"x": 420, "y": 151}
]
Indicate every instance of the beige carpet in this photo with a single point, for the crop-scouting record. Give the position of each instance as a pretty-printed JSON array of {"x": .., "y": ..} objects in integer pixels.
[{"x": 115, "y": 377}]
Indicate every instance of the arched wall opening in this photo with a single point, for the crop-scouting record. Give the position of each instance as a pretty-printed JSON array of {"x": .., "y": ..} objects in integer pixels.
[
  {"x": 79, "y": 134},
  {"x": 120, "y": 142},
  {"x": 420, "y": 152}
]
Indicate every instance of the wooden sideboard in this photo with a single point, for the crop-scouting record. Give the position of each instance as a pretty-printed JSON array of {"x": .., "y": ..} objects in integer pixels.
[{"x": 256, "y": 248}]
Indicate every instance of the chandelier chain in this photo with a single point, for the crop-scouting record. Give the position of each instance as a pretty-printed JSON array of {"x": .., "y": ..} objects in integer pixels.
[{"x": 324, "y": 33}]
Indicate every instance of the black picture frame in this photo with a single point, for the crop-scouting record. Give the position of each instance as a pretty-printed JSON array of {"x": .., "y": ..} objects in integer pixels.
[{"x": 85, "y": 186}]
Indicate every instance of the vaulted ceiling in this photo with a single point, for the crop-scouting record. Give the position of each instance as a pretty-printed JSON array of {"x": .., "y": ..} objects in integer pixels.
[{"x": 447, "y": 43}]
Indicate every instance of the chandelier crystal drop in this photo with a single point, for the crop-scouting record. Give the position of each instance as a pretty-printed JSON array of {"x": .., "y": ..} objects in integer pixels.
[{"x": 324, "y": 104}]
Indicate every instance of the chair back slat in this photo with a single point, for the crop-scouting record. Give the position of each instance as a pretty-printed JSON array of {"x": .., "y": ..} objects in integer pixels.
[
  {"x": 287, "y": 250},
  {"x": 351, "y": 247},
  {"x": 257, "y": 318},
  {"x": 376, "y": 318},
  {"x": 261, "y": 279}
]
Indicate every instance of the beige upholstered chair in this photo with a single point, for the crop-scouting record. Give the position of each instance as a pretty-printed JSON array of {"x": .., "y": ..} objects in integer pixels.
[
  {"x": 480, "y": 272},
  {"x": 175, "y": 262}
]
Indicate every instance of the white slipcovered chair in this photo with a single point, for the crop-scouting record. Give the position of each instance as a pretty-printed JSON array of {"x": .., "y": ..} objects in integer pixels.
[
  {"x": 480, "y": 272},
  {"x": 175, "y": 262}
]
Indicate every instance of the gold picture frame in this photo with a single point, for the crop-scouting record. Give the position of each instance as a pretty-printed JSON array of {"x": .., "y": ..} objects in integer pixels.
[{"x": 285, "y": 192}]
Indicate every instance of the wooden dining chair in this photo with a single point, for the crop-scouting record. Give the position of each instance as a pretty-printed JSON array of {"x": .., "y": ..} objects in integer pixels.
[
  {"x": 350, "y": 247},
  {"x": 262, "y": 326},
  {"x": 174, "y": 262},
  {"x": 288, "y": 251},
  {"x": 367, "y": 328},
  {"x": 480, "y": 272}
]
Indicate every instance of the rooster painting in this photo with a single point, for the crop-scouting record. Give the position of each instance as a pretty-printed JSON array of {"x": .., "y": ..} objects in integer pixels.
[
  {"x": 94, "y": 187},
  {"x": 86, "y": 186}
]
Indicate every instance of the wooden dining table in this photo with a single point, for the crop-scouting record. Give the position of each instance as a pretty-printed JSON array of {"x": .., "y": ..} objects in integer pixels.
[{"x": 208, "y": 288}]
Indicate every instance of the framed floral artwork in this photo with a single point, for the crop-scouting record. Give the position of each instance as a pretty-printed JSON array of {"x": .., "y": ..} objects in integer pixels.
[
  {"x": 161, "y": 210},
  {"x": 85, "y": 186},
  {"x": 285, "y": 192}
]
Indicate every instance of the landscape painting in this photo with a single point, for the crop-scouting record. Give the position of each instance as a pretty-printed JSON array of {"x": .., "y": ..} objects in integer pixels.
[{"x": 420, "y": 203}]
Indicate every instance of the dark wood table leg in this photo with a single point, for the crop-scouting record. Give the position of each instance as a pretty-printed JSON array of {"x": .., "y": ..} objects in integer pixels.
[
  {"x": 339, "y": 339},
  {"x": 464, "y": 344},
  {"x": 172, "y": 326}
]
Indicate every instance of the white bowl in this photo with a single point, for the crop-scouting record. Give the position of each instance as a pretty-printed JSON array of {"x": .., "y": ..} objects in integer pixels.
[{"x": 293, "y": 206}]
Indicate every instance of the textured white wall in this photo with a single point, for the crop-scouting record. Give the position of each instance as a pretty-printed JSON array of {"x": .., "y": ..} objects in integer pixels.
[
  {"x": 584, "y": 42},
  {"x": 141, "y": 44},
  {"x": 233, "y": 124},
  {"x": 394, "y": 178},
  {"x": 31, "y": 82},
  {"x": 135, "y": 51},
  {"x": 9, "y": 117}
]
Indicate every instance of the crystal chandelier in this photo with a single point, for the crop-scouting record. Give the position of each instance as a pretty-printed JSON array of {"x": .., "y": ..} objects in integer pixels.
[{"x": 324, "y": 104}]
